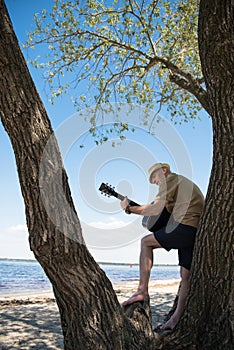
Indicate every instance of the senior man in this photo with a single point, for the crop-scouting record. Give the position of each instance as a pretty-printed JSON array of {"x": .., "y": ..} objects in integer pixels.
[{"x": 181, "y": 203}]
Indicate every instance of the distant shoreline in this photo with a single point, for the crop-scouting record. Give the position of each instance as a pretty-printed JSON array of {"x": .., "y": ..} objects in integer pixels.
[
  {"x": 25, "y": 276},
  {"x": 98, "y": 262}
]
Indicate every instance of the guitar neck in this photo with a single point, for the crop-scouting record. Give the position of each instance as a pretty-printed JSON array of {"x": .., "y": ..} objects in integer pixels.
[
  {"x": 109, "y": 191},
  {"x": 131, "y": 203}
]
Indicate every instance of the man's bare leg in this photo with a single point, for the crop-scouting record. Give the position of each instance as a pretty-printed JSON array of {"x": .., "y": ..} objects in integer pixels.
[
  {"x": 172, "y": 322},
  {"x": 148, "y": 243}
]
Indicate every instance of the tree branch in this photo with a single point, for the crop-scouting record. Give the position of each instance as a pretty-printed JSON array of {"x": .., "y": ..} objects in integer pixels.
[
  {"x": 184, "y": 80},
  {"x": 195, "y": 89},
  {"x": 143, "y": 26},
  {"x": 187, "y": 82}
]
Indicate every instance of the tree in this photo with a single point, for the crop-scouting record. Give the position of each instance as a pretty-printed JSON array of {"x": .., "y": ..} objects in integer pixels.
[
  {"x": 90, "y": 313},
  {"x": 211, "y": 297}
]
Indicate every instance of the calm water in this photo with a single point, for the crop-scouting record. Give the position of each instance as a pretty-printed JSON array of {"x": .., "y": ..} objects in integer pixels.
[{"x": 18, "y": 276}]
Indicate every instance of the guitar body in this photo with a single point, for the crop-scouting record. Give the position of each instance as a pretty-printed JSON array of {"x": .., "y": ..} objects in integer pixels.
[
  {"x": 155, "y": 223},
  {"x": 151, "y": 223}
]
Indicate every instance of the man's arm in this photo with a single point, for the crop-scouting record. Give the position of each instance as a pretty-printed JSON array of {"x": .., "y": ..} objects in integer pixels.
[{"x": 146, "y": 210}]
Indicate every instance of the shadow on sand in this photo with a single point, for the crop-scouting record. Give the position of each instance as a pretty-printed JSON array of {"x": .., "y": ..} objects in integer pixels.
[{"x": 36, "y": 325}]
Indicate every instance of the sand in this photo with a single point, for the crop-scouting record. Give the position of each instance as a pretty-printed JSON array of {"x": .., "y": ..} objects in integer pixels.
[{"x": 32, "y": 321}]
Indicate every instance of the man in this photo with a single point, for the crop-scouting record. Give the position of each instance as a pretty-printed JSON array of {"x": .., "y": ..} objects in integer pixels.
[{"x": 183, "y": 202}]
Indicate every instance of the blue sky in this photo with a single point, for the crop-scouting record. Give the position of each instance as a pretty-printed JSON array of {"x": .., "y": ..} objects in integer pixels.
[{"x": 109, "y": 233}]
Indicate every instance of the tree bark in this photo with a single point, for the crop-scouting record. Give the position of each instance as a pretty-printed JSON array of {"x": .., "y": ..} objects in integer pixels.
[
  {"x": 209, "y": 311},
  {"x": 91, "y": 316},
  {"x": 214, "y": 251}
]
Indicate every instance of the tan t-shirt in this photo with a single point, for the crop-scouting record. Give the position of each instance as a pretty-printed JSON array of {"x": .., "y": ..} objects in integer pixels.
[{"x": 185, "y": 200}]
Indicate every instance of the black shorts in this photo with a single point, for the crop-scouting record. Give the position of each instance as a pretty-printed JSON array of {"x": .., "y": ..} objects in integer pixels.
[{"x": 178, "y": 236}]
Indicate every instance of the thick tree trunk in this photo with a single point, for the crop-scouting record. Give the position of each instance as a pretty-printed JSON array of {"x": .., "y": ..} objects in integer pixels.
[
  {"x": 208, "y": 320},
  {"x": 91, "y": 316},
  {"x": 214, "y": 251}
]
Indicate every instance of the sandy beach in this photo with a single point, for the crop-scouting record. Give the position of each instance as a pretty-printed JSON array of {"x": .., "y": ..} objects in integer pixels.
[{"x": 32, "y": 321}]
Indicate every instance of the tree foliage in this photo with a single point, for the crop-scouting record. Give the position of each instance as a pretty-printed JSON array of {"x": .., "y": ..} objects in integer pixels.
[{"x": 143, "y": 52}]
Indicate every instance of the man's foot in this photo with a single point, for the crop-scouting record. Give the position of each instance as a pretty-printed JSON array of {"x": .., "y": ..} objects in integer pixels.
[
  {"x": 170, "y": 324},
  {"x": 167, "y": 327},
  {"x": 137, "y": 296}
]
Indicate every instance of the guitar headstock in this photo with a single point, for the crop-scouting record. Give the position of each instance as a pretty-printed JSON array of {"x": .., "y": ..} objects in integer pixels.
[{"x": 108, "y": 190}]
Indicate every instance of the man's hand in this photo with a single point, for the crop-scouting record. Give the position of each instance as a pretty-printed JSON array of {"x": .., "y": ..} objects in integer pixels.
[{"x": 124, "y": 203}]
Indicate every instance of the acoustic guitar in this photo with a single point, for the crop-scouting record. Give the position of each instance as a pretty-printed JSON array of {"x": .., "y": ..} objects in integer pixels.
[{"x": 151, "y": 223}]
